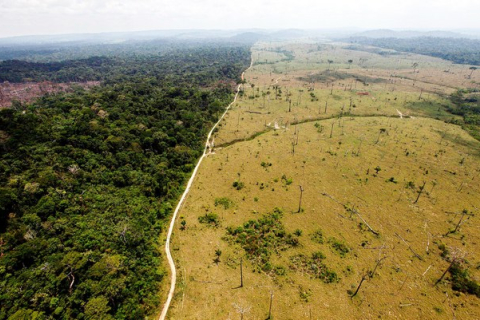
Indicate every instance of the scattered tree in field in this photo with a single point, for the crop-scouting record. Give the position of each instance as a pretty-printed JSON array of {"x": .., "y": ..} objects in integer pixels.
[
  {"x": 218, "y": 253},
  {"x": 473, "y": 69},
  {"x": 329, "y": 63},
  {"x": 415, "y": 65},
  {"x": 350, "y": 63},
  {"x": 382, "y": 130}
]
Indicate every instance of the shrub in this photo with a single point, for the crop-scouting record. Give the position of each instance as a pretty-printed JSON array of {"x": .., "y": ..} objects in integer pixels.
[
  {"x": 238, "y": 185},
  {"x": 225, "y": 202},
  {"x": 210, "y": 219},
  {"x": 314, "y": 266},
  {"x": 339, "y": 247},
  {"x": 317, "y": 236}
]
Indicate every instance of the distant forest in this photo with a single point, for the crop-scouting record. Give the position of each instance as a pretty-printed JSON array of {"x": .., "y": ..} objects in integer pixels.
[
  {"x": 161, "y": 66},
  {"x": 87, "y": 178},
  {"x": 461, "y": 51}
]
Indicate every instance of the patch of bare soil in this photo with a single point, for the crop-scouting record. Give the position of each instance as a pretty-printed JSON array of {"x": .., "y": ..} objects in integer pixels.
[{"x": 27, "y": 92}]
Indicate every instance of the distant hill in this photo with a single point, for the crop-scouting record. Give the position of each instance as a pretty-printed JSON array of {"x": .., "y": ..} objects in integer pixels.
[
  {"x": 248, "y": 37},
  {"x": 289, "y": 34},
  {"x": 386, "y": 33},
  {"x": 120, "y": 37}
]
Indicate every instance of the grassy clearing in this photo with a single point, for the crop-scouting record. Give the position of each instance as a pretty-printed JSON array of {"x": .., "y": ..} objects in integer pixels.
[{"x": 329, "y": 202}]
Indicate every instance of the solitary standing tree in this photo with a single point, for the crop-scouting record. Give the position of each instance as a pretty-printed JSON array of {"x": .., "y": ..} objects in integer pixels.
[
  {"x": 415, "y": 65},
  {"x": 473, "y": 69},
  {"x": 329, "y": 63}
]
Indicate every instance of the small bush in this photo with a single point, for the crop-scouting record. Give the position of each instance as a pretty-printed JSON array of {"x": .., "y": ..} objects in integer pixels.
[
  {"x": 314, "y": 266},
  {"x": 265, "y": 165},
  {"x": 392, "y": 179},
  {"x": 339, "y": 247},
  {"x": 410, "y": 185},
  {"x": 317, "y": 236},
  {"x": 287, "y": 181},
  {"x": 226, "y": 203},
  {"x": 210, "y": 219},
  {"x": 238, "y": 185},
  {"x": 461, "y": 280}
]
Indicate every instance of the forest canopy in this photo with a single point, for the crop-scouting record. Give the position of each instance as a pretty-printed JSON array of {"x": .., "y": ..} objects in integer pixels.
[
  {"x": 87, "y": 178},
  {"x": 462, "y": 51}
]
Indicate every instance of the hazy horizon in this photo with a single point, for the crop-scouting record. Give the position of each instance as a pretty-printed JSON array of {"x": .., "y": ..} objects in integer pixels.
[{"x": 58, "y": 17}]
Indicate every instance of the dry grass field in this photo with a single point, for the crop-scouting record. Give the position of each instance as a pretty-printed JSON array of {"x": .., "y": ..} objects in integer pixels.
[{"x": 311, "y": 201}]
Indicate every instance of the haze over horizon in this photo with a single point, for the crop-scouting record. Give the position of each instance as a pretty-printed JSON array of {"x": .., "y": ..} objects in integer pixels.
[{"x": 50, "y": 17}]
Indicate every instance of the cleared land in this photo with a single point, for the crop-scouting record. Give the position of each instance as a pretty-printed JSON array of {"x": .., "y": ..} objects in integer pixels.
[{"x": 380, "y": 194}]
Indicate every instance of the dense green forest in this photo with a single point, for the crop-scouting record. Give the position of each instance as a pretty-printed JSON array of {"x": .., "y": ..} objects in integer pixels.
[
  {"x": 87, "y": 178},
  {"x": 163, "y": 67},
  {"x": 466, "y": 103},
  {"x": 462, "y": 51},
  {"x": 75, "y": 50}
]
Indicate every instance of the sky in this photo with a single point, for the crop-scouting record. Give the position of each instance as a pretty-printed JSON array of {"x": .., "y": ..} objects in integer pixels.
[{"x": 35, "y": 17}]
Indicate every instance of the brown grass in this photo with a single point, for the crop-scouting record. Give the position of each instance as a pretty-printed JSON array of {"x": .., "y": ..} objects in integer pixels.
[{"x": 343, "y": 167}]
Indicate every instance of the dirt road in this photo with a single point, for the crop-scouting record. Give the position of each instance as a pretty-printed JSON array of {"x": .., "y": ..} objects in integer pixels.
[{"x": 179, "y": 205}]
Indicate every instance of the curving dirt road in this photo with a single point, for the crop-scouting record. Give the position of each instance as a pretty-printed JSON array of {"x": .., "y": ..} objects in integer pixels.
[{"x": 206, "y": 151}]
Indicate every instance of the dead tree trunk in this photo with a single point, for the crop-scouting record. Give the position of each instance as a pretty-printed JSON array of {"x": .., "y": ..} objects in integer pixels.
[
  {"x": 270, "y": 309},
  {"x": 241, "y": 272},
  {"x": 364, "y": 277},
  {"x": 300, "y": 202},
  {"x": 410, "y": 248},
  {"x": 443, "y": 275},
  {"x": 420, "y": 191},
  {"x": 464, "y": 213}
]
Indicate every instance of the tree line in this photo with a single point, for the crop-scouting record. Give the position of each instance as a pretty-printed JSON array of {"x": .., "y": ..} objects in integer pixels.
[{"x": 462, "y": 51}]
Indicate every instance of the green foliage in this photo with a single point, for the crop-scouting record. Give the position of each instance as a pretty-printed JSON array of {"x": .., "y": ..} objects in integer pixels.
[
  {"x": 341, "y": 248},
  {"x": 392, "y": 179},
  {"x": 238, "y": 185},
  {"x": 97, "y": 308},
  {"x": 204, "y": 64},
  {"x": 313, "y": 266},
  {"x": 287, "y": 181},
  {"x": 317, "y": 236},
  {"x": 410, "y": 185},
  {"x": 226, "y": 203},
  {"x": 461, "y": 280},
  {"x": 210, "y": 219},
  {"x": 260, "y": 238},
  {"x": 87, "y": 179},
  {"x": 183, "y": 224},
  {"x": 466, "y": 103},
  {"x": 305, "y": 294},
  {"x": 298, "y": 232},
  {"x": 265, "y": 165}
]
